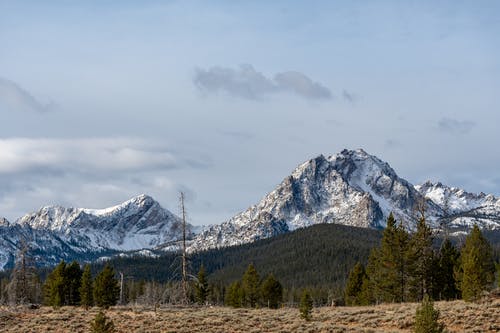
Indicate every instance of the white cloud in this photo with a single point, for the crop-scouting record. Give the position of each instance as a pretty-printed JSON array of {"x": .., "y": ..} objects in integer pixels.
[
  {"x": 14, "y": 96},
  {"x": 246, "y": 82},
  {"x": 88, "y": 172},
  {"x": 83, "y": 155}
]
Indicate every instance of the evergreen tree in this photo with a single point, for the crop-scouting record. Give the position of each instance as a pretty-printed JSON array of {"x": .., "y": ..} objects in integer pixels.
[
  {"x": 446, "y": 287},
  {"x": 272, "y": 292},
  {"x": 101, "y": 324},
  {"x": 366, "y": 294},
  {"x": 354, "y": 285},
  {"x": 73, "y": 278},
  {"x": 86, "y": 288},
  {"x": 55, "y": 287},
  {"x": 426, "y": 318},
  {"x": 421, "y": 262},
  {"x": 477, "y": 265},
  {"x": 250, "y": 284},
  {"x": 201, "y": 287},
  {"x": 235, "y": 295},
  {"x": 106, "y": 288},
  {"x": 387, "y": 266},
  {"x": 306, "y": 305}
]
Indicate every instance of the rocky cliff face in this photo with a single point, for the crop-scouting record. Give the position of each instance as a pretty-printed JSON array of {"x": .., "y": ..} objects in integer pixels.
[{"x": 350, "y": 188}]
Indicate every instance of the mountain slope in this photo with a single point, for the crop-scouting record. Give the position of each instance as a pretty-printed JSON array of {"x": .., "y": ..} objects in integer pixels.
[
  {"x": 462, "y": 209},
  {"x": 350, "y": 188},
  {"x": 67, "y": 233}
]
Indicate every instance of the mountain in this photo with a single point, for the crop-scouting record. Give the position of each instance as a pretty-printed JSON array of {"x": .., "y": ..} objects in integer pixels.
[
  {"x": 351, "y": 188},
  {"x": 57, "y": 233},
  {"x": 462, "y": 209}
]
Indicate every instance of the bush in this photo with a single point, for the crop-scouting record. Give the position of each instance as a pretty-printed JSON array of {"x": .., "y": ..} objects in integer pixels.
[
  {"x": 101, "y": 324},
  {"x": 306, "y": 305},
  {"x": 426, "y": 318}
]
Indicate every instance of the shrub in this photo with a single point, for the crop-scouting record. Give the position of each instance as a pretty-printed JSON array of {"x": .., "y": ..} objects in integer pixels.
[
  {"x": 426, "y": 318},
  {"x": 101, "y": 324},
  {"x": 306, "y": 305}
]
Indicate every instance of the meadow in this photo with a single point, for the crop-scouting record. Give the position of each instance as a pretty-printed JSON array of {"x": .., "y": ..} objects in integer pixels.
[{"x": 458, "y": 316}]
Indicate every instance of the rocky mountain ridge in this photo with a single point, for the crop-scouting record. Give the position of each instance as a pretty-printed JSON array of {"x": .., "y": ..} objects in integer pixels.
[
  {"x": 66, "y": 233},
  {"x": 350, "y": 188}
]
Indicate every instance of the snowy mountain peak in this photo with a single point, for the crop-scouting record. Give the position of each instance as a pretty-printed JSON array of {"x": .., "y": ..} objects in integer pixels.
[
  {"x": 4, "y": 222},
  {"x": 454, "y": 199},
  {"x": 351, "y": 188}
]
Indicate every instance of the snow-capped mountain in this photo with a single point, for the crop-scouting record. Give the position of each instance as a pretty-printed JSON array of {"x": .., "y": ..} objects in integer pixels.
[
  {"x": 139, "y": 223},
  {"x": 462, "y": 209},
  {"x": 349, "y": 188}
]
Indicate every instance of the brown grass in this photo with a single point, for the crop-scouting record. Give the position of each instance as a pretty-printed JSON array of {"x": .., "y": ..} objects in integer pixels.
[{"x": 458, "y": 316}]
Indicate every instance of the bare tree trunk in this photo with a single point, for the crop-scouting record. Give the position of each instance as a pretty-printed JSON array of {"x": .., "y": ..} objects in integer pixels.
[{"x": 184, "y": 263}]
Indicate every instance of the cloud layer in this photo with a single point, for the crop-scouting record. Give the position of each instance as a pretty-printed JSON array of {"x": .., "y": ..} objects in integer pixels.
[
  {"x": 246, "y": 82},
  {"x": 455, "y": 126},
  {"x": 15, "y": 97},
  {"x": 87, "y": 172}
]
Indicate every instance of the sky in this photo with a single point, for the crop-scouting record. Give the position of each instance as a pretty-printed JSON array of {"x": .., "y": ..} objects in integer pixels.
[{"x": 101, "y": 101}]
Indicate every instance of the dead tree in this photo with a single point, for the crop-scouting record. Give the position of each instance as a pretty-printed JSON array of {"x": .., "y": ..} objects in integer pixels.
[
  {"x": 184, "y": 259},
  {"x": 24, "y": 286}
]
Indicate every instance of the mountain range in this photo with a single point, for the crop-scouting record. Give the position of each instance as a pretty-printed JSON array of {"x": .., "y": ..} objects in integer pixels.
[{"x": 350, "y": 188}]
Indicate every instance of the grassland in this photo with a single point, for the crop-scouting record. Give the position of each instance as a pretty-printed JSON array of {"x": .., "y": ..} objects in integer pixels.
[{"x": 458, "y": 316}]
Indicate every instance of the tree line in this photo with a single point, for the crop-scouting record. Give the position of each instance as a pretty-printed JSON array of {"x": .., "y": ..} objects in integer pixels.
[
  {"x": 407, "y": 266},
  {"x": 394, "y": 265},
  {"x": 250, "y": 291}
]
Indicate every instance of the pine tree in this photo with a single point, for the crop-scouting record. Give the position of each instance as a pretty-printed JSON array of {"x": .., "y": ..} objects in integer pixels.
[
  {"x": 306, "y": 305},
  {"x": 101, "y": 324},
  {"x": 354, "y": 285},
  {"x": 387, "y": 266},
  {"x": 235, "y": 295},
  {"x": 106, "y": 288},
  {"x": 447, "y": 262},
  {"x": 86, "y": 288},
  {"x": 250, "y": 284},
  {"x": 426, "y": 318},
  {"x": 272, "y": 292},
  {"x": 201, "y": 287},
  {"x": 421, "y": 261},
  {"x": 371, "y": 290},
  {"x": 477, "y": 266},
  {"x": 73, "y": 275},
  {"x": 55, "y": 287}
]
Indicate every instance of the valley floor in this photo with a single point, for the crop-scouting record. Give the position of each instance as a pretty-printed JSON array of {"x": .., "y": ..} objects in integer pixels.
[{"x": 458, "y": 316}]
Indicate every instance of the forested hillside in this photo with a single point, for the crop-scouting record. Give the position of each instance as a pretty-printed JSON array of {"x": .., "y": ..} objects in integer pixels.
[{"x": 319, "y": 256}]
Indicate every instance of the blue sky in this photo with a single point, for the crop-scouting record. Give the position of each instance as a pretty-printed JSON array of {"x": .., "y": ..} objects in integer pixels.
[{"x": 104, "y": 100}]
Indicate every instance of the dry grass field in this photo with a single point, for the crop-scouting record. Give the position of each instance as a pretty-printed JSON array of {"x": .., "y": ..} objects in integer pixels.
[{"x": 458, "y": 317}]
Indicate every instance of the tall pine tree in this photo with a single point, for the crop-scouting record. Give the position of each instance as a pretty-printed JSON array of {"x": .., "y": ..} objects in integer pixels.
[
  {"x": 421, "y": 260},
  {"x": 387, "y": 266},
  {"x": 477, "y": 271},
  {"x": 201, "y": 286},
  {"x": 272, "y": 292},
  {"x": 106, "y": 288},
  {"x": 250, "y": 283},
  {"x": 354, "y": 285},
  {"x": 86, "y": 288},
  {"x": 55, "y": 287},
  {"x": 73, "y": 276},
  {"x": 447, "y": 261}
]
